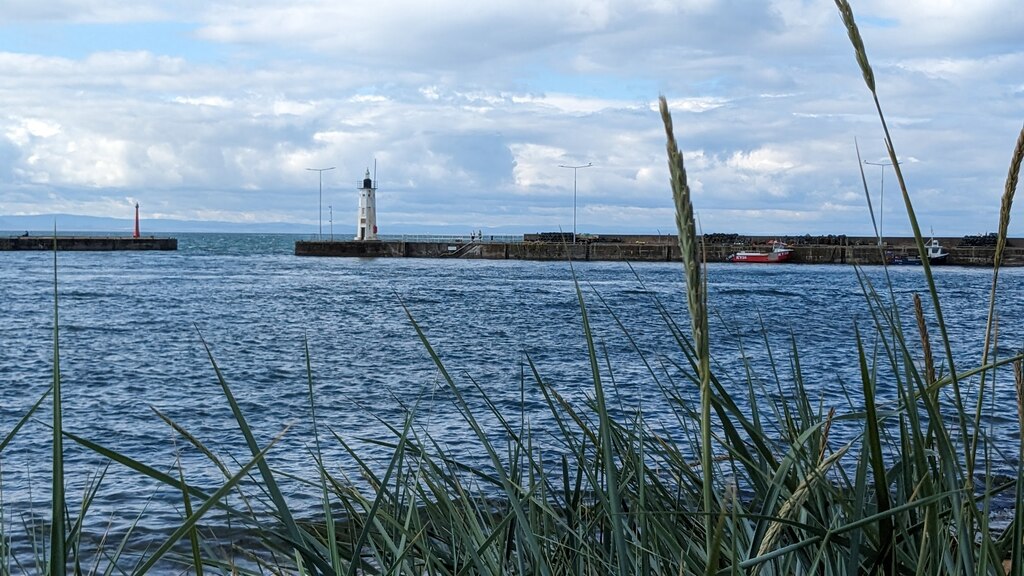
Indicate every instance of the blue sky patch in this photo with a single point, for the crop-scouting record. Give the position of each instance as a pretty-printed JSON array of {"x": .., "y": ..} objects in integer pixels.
[{"x": 77, "y": 41}]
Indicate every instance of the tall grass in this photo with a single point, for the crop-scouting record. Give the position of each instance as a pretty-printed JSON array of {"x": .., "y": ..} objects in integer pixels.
[
  {"x": 753, "y": 485},
  {"x": 58, "y": 550}
]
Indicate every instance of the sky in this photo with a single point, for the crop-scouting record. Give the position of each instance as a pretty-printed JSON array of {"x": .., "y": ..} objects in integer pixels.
[{"x": 467, "y": 112}]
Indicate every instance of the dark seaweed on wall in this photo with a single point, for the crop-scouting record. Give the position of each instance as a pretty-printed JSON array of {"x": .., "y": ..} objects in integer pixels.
[
  {"x": 561, "y": 237},
  {"x": 567, "y": 238},
  {"x": 979, "y": 240},
  {"x": 722, "y": 238},
  {"x": 807, "y": 239}
]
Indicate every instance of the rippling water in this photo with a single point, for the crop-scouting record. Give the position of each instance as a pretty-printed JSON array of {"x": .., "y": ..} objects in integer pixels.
[{"x": 132, "y": 327}]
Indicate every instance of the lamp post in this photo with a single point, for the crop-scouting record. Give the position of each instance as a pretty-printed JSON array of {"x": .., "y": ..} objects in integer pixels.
[
  {"x": 330, "y": 209},
  {"x": 574, "y": 169},
  {"x": 320, "y": 213},
  {"x": 881, "y": 196}
]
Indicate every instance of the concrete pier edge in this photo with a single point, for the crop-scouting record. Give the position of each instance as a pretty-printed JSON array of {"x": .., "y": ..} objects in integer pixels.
[
  {"x": 87, "y": 243},
  {"x": 842, "y": 250}
]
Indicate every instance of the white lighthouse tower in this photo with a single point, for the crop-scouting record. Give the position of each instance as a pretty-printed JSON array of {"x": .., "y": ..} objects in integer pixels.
[{"x": 366, "y": 226}]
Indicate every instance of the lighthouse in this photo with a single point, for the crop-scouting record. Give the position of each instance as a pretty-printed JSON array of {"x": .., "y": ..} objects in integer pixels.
[{"x": 366, "y": 226}]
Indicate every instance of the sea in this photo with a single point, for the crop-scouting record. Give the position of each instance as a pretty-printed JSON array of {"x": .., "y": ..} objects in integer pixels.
[{"x": 142, "y": 337}]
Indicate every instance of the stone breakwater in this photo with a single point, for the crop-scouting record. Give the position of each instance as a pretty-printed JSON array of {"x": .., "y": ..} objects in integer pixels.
[
  {"x": 652, "y": 249},
  {"x": 87, "y": 243}
]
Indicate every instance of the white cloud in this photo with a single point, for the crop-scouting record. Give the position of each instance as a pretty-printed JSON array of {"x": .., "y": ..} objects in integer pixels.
[
  {"x": 946, "y": 23},
  {"x": 25, "y": 129},
  {"x": 702, "y": 104},
  {"x": 29, "y": 65},
  {"x": 571, "y": 104},
  {"x": 470, "y": 108},
  {"x": 89, "y": 10},
  {"x": 431, "y": 92},
  {"x": 368, "y": 99},
  {"x": 761, "y": 160},
  {"x": 213, "y": 101},
  {"x": 293, "y": 108},
  {"x": 533, "y": 164}
]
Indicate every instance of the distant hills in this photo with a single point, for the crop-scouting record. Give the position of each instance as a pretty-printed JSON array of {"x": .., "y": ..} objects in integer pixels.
[
  {"x": 71, "y": 223},
  {"x": 66, "y": 223}
]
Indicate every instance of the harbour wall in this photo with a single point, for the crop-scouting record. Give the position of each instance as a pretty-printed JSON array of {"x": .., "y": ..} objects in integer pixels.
[
  {"x": 642, "y": 251},
  {"x": 87, "y": 243}
]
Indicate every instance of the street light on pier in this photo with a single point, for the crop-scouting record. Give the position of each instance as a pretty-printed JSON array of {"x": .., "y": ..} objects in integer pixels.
[
  {"x": 320, "y": 214},
  {"x": 574, "y": 169},
  {"x": 881, "y": 195},
  {"x": 330, "y": 209}
]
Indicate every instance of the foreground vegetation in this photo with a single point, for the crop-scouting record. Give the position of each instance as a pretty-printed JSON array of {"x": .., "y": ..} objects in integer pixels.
[{"x": 758, "y": 490}]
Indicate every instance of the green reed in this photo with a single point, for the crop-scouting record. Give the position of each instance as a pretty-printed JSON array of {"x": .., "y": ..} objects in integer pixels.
[{"x": 761, "y": 489}]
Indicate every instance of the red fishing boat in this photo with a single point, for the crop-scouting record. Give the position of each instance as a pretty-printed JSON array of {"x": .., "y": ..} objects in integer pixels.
[{"x": 779, "y": 253}]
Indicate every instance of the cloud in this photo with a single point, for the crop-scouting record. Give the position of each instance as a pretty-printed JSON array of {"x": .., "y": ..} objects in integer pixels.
[
  {"x": 214, "y": 101},
  {"x": 943, "y": 26},
  {"x": 764, "y": 160},
  {"x": 87, "y": 10},
  {"x": 469, "y": 109}
]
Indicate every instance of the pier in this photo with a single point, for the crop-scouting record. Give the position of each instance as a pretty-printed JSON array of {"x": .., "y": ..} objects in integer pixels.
[
  {"x": 650, "y": 248},
  {"x": 87, "y": 243}
]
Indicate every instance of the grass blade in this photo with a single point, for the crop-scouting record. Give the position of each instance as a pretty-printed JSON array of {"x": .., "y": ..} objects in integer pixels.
[
  {"x": 191, "y": 520},
  {"x": 14, "y": 431},
  {"x": 312, "y": 560},
  {"x": 58, "y": 552}
]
